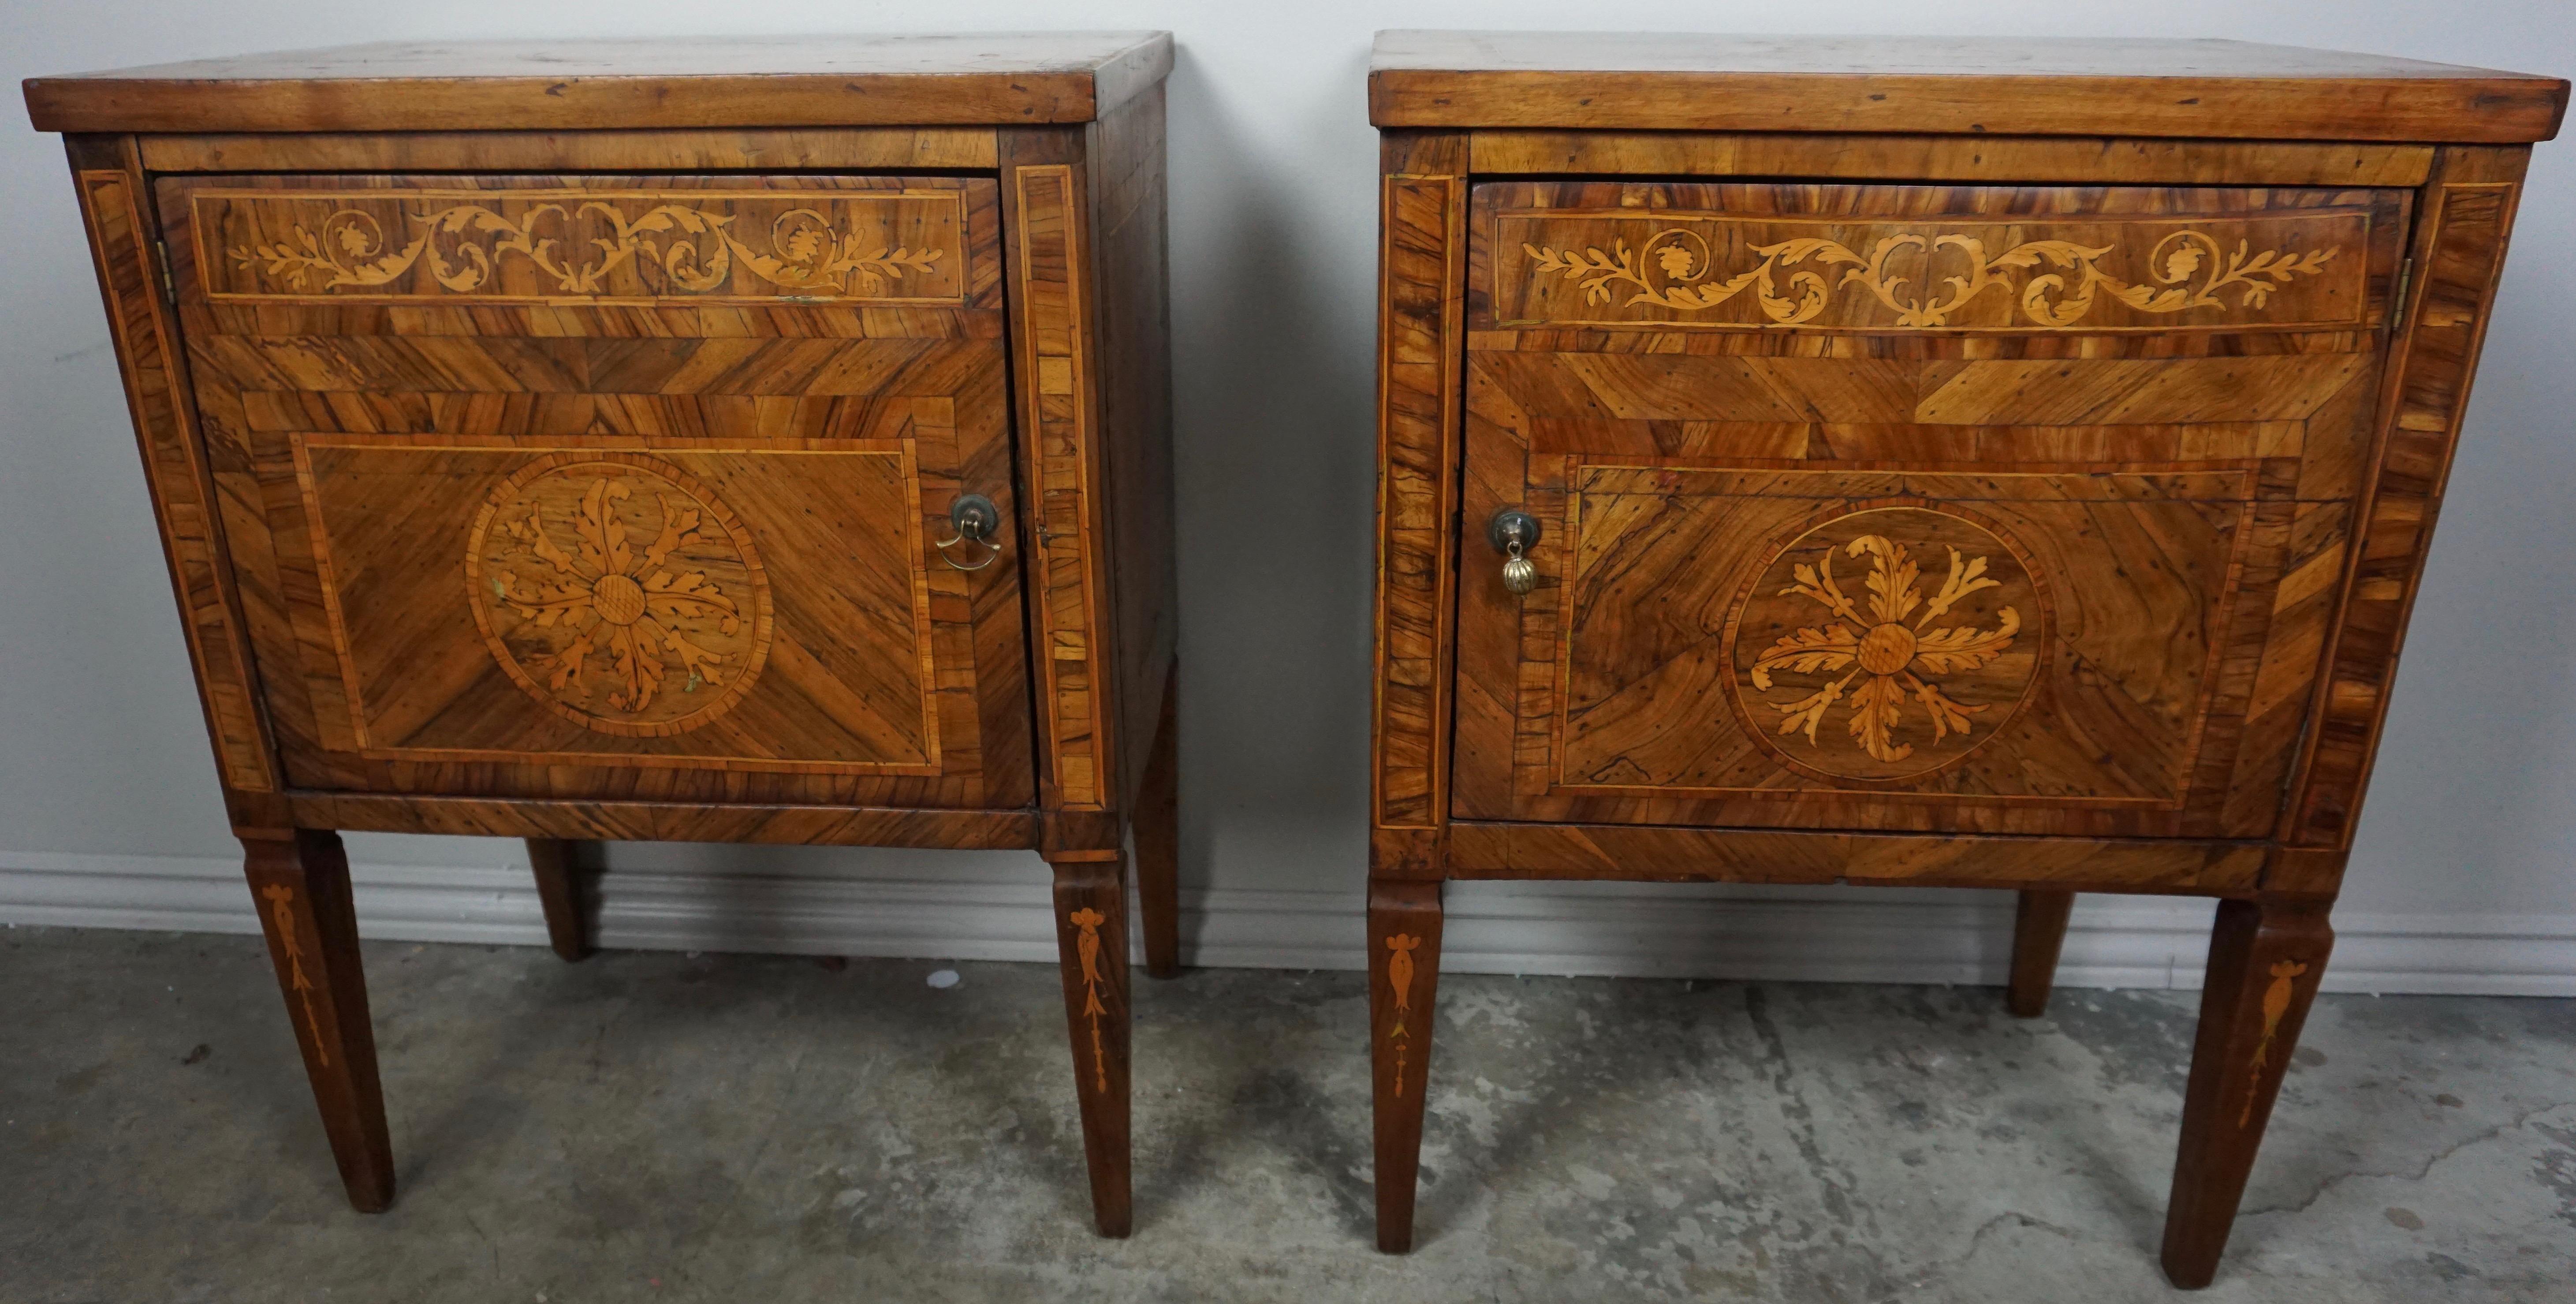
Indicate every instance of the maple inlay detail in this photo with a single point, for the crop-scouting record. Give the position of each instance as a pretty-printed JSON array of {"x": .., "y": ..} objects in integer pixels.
[
  {"x": 619, "y": 592},
  {"x": 281, "y": 901},
  {"x": 1087, "y": 948},
  {"x": 1399, "y": 975},
  {"x": 549, "y": 245},
  {"x": 2045, "y": 272},
  {"x": 1853, "y": 672}
]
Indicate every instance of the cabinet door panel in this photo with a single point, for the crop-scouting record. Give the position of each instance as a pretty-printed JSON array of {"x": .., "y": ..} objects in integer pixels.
[
  {"x": 615, "y": 487},
  {"x": 1903, "y": 540}
]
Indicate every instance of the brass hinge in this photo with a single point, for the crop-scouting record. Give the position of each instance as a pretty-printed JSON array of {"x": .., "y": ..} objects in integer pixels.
[
  {"x": 2405, "y": 280},
  {"x": 169, "y": 283}
]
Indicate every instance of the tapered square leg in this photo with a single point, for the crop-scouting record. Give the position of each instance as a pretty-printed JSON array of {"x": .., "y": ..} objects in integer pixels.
[
  {"x": 1404, "y": 979},
  {"x": 1091, "y": 938},
  {"x": 563, "y": 868},
  {"x": 1157, "y": 828},
  {"x": 301, "y": 887},
  {"x": 2265, "y": 961},
  {"x": 2039, "y": 932}
]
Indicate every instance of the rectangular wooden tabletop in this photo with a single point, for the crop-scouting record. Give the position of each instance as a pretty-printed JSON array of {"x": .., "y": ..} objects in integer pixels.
[
  {"x": 1945, "y": 85},
  {"x": 1000, "y": 79}
]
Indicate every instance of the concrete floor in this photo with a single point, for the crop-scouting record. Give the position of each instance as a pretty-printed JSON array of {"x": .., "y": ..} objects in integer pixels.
[{"x": 747, "y": 1128}]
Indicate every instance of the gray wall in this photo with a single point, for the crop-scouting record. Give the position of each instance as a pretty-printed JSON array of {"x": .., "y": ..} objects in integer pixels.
[{"x": 1273, "y": 221}]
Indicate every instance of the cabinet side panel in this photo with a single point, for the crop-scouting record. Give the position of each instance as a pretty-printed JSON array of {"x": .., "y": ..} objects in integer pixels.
[
  {"x": 1134, "y": 322},
  {"x": 1422, "y": 276},
  {"x": 1047, "y": 226},
  {"x": 121, "y": 241},
  {"x": 2458, "y": 251}
]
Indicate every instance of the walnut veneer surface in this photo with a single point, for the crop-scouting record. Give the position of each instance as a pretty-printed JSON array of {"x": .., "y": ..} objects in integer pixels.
[
  {"x": 1973, "y": 463},
  {"x": 518, "y": 478}
]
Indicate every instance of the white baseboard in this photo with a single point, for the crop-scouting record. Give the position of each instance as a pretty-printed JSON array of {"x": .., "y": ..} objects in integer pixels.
[{"x": 1615, "y": 930}]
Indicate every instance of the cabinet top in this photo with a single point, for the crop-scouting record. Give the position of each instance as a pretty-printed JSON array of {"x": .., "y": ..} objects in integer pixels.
[
  {"x": 988, "y": 79},
  {"x": 1634, "y": 81}
]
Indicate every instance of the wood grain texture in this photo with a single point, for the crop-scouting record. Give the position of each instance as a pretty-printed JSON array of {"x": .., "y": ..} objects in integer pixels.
[
  {"x": 2136, "y": 511},
  {"x": 565, "y": 871},
  {"x": 1157, "y": 830},
  {"x": 300, "y": 884},
  {"x": 1132, "y": 319},
  {"x": 2023, "y": 483},
  {"x": 671, "y": 821},
  {"x": 2022, "y": 160},
  {"x": 1091, "y": 937},
  {"x": 429, "y": 493},
  {"x": 1894, "y": 258},
  {"x": 1404, "y": 988},
  {"x": 176, "y": 469},
  {"x": 2459, "y": 249},
  {"x": 1666, "y": 81},
  {"x": 588, "y": 244},
  {"x": 1422, "y": 282},
  {"x": 1646, "y": 853},
  {"x": 2039, "y": 931},
  {"x": 594, "y": 485},
  {"x": 1056, "y": 350},
  {"x": 2266, "y": 959},
  {"x": 886, "y": 149},
  {"x": 804, "y": 81}
]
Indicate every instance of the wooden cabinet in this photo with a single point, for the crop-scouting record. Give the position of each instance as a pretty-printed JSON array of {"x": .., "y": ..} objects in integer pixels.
[
  {"x": 1914, "y": 462},
  {"x": 751, "y": 441}
]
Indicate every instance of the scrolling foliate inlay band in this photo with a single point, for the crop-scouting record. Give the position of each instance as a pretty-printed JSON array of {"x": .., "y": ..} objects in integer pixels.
[
  {"x": 583, "y": 246},
  {"x": 2028, "y": 274}
]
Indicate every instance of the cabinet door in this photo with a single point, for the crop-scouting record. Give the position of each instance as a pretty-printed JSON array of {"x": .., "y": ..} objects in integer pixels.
[
  {"x": 615, "y": 487},
  {"x": 1976, "y": 509}
]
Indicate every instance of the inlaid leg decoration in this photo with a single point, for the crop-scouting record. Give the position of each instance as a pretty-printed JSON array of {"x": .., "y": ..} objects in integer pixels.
[
  {"x": 1404, "y": 977},
  {"x": 2039, "y": 931},
  {"x": 2265, "y": 960},
  {"x": 1158, "y": 843},
  {"x": 564, "y": 869},
  {"x": 302, "y": 889},
  {"x": 1091, "y": 938}
]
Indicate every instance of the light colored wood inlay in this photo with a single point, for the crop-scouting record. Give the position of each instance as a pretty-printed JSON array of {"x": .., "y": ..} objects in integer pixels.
[
  {"x": 290, "y": 943},
  {"x": 1906, "y": 648},
  {"x": 1399, "y": 976},
  {"x": 1087, "y": 950},
  {"x": 555, "y": 579},
  {"x": 1600, "y": 266},
  {"x": 2276, "y": 1003},
  {"x": 582, "y": 246}
]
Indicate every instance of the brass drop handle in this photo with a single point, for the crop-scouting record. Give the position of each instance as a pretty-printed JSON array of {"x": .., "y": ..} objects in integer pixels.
[
  {"x": 1513, "y": 533},
  {"x": 972, "y": 521}
]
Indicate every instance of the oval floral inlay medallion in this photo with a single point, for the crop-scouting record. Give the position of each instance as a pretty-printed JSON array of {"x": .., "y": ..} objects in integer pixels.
[
  {"x": 1887, "y": 643},
  {"x": 619, "y": 592}
]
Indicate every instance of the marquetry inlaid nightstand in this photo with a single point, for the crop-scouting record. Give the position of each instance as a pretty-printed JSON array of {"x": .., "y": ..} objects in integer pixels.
[
  {"x": 756, "y": 441},
  {"x": 1974, "y": 463}
]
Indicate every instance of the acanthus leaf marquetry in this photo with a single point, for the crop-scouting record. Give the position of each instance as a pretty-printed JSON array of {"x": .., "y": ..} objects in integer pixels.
[
  {"x": 582, "y": 481},
  {"x": 586, "y": 245},
  {"x": 857, "y": 673},
  {"x": 685, "y": 598},
  {"x": 2145, "y": 490},
  {"x": 1897, "y": 258},
  {"x": 1958, "y": 509}
]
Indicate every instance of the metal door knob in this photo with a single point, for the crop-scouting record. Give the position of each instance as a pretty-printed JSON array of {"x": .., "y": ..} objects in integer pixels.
[
  {"x": 1513, "y": 533},
  {"x": 972, "y": 521}
]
